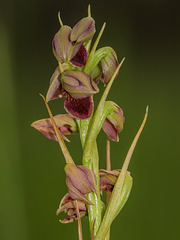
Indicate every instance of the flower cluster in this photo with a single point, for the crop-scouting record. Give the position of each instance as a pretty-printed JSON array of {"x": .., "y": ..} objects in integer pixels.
[
  {"x": 80, "y": 68},
  {"x": 77, "y": 84},
  {"x": 71, "y": 49}
]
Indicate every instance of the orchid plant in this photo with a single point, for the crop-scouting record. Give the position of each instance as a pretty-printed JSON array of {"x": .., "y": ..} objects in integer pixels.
[{"x": 80, "y": 69}]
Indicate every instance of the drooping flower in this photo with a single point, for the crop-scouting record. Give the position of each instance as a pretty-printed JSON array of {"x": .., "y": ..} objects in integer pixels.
[
  {"x": 113, "y": 124},
  {"x": 80, "y": 181},
  {"x": 66, "y": 124},
  {"x": 77, "y": 88},
  {"x": 67, "y": 205}
]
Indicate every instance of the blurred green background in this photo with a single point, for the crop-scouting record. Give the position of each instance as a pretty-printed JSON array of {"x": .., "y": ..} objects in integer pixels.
[{"x": 32, "y": 179}]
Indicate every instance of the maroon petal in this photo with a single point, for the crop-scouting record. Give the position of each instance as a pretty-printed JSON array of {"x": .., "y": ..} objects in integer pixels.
[
  {"x": 109, "y": 65},
  {"x": 110, "y": 130},
  {"x": 79, "y": 108},
  {"x": 80, "y": 58},
  {"x": 114, "y": 122}
]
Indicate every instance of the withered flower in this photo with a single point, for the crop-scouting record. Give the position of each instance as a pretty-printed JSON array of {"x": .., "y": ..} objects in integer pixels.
[
  {"x": 68, "y": 206},
  {"x": 108, "y": 179},
  {"x": 80, "y": 181},
  {"x": 113, "y": 124},
  {"x": 66, "y": 124}
]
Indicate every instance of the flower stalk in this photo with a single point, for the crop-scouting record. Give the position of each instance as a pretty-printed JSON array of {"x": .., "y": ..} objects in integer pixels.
[{"x": 79, "y": 222}]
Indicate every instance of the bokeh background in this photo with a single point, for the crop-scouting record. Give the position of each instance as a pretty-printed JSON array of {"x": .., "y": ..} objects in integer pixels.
[{"x": 32, "y": 179}]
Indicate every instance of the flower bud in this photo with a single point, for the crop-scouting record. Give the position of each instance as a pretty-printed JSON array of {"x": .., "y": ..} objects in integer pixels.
[
  {"x": 113, "y": 124},
  {"x": 83, "y": 31},
  {"x": 80, "y": 181},
  {"x": 78, "y": 84},
  {"x": 65, "y": 123}
]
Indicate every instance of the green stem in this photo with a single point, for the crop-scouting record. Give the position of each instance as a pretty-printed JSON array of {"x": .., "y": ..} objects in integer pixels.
[
  {"x": 94, "y": 211},
  {"x": 90, "y": 155}
]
